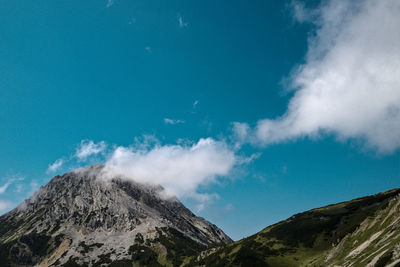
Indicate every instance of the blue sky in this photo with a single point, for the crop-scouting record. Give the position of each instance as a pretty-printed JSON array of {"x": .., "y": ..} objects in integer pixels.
[{"x": 297, "y": 106}]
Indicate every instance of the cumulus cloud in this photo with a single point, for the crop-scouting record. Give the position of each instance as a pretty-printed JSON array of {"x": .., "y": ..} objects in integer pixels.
[
  {"x": 349, "y": 85},
  {"x": 180, "y": 169},
  {"x": 172, "y": 121},
  {"x": 184, "y": 169},
  {"x": 89, "y": 148},
  {"x": 56, "y": 165}
]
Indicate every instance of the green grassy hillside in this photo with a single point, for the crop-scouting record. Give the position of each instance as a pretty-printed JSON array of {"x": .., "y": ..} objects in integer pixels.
[
  {"x": 355, "y": 233},
  {"x": 361, "y": 232}
]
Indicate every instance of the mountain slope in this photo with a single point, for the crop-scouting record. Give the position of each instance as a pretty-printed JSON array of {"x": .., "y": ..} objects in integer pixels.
[
  {"x": 78, "y": 218},
  {"x": 361, "y": 232}
]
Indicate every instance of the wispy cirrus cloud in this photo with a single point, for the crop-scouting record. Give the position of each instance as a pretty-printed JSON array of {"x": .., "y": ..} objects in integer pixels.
[
  {"x": 109, "y": 3},
  {"x": 181, "y": 22},
  {"x": 172, "y": 121},
  {"x": 4, "y": 187},
  {"x": 194, "y": 106},
  {"x": 303, "y": 14},
  {"x": 86, "y": 151},
  {"x": 349, "y": 85},
  {"x": 10, "y": 180}
]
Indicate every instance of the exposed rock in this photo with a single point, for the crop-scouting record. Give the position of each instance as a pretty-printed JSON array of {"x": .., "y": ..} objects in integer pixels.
[{"x": 82, "y": 218}]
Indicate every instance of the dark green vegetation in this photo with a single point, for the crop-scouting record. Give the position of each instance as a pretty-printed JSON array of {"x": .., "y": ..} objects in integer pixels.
[
  {"x": 170, "y": 248},
  {"x": 354, "y": 233},
  {"x": 27, "y": 250},
  {"x": 87, "y": 249},
  {"x": 29, "y": 247},
  {"x": 306, "y": 239}
]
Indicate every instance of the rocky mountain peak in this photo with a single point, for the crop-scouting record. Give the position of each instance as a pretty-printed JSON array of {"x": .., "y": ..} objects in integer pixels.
[{"x": 81, "y": 209}]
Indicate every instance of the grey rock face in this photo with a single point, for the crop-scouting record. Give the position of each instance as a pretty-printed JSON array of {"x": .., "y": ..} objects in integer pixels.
[{"x": 79, "y": 210}]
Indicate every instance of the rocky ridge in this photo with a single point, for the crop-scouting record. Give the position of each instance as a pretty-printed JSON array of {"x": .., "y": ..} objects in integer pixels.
[
  {"x": 82, "y": 219},
  {"x": 357, "y": 233}
]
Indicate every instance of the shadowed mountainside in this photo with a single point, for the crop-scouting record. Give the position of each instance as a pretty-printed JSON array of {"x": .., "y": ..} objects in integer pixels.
[{"x": 361, "y": 232}]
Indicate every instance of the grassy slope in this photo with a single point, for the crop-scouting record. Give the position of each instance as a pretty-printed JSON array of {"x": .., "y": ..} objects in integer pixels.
[
  {"x": 306, "y": 238},
  {"x": 360, "y": 231}
]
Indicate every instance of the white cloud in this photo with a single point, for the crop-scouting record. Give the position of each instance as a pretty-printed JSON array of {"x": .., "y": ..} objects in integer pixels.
[
  {"x": 349, "y": 85},
  {"x": 240, "y": 133},
  {"x": 180, "y": 169},
  {"x": 301, "y": 13},
  {"x": 4, "y": 187},
  {"x": 203, "y": 200},
  {"x": 194, "y": 106},
  {"x": 172, "y": 121},
  {"x": 34, "y": 186},
  {"x": 5, "y": 205},
  {"x": 56, "y": 165},
  {"x": 109, "y": 3},
  {"x": 241, "y": 130},
  {"x": 181, "y": 22},
  {"x": 184, "y": 169},
  {"x": 88, "y": 148},
  {"x": 10, "y": 181}
]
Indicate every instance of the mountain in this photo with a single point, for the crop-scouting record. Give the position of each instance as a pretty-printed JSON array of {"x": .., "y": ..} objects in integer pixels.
[
  {"x": 362, "y": 232},
  {"x": 79, "y": 219},
  {"x": 82, "y": 219}
]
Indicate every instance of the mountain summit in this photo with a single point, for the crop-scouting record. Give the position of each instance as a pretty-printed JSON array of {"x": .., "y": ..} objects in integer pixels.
[{"x": 81, "y": 219}]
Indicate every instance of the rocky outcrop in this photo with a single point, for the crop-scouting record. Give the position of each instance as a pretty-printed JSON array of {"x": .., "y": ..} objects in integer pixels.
[{"x": 81, "y": 218}]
